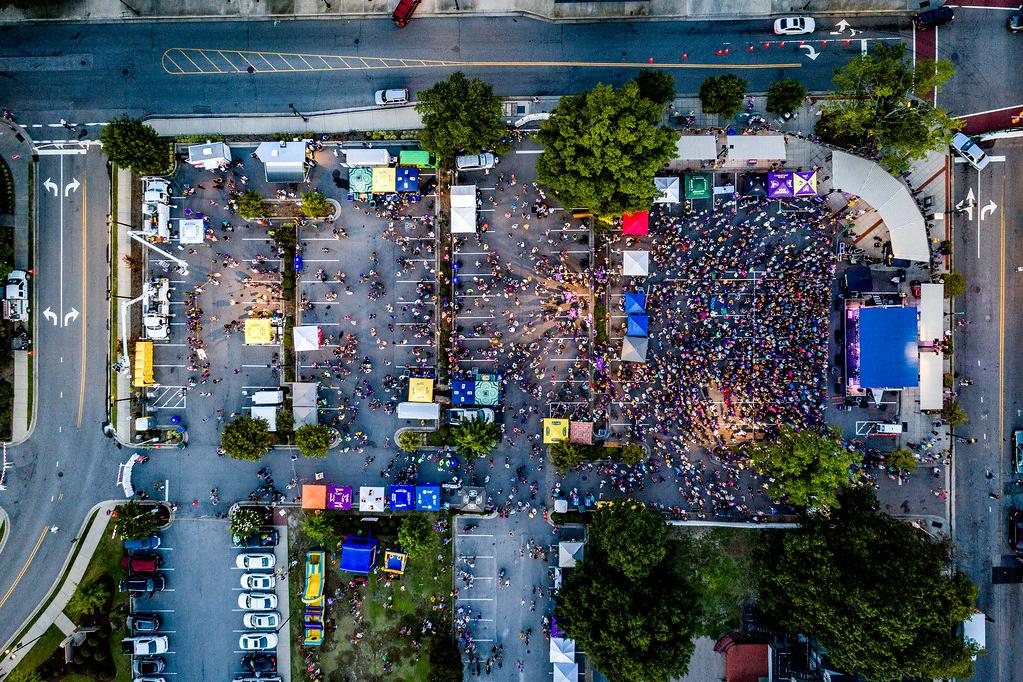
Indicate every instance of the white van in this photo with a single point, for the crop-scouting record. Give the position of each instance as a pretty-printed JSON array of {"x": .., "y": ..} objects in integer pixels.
[
  {"x": 475, "y": 162},
  {"x": 975, "y": 632}
]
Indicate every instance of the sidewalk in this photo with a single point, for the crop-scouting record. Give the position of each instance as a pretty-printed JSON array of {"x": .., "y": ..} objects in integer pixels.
[
  {"x": 54, "y": 611},
  {"x": 551, "y": 10},
  {"x": 340, "y": 121},
  {"x": 122, "y": 408}
]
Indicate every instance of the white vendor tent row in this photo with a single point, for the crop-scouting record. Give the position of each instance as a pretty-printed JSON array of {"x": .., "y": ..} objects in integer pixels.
[
  {"x": 566, "y": 672},
  {"x": 696, "y": 148},
  {"x": 463, "y": 209},
  {"x": 634, "y": 348},
  {"x": 756, "y": 147},
  {"x": 371, "y": 498},
  {"x": 410, "y": 410},
  {"x": 932, "y": 390},
  {"x": 889, "y": 197},
  {"x": 562, "y": 650},
  {"x": 267, "y": 412},
  {"x": 191, "y": 231},
  {"x": 283, "y": 161},
  {"x": 932, "y": 312}
]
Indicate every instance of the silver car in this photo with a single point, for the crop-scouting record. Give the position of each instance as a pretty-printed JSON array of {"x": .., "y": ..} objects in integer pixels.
[
  {"x": 256, "y": 601},
  {"x": 475, "y": 162},
  {"x": 258, "y": 581},
  {"x": 262, "y": 641},
  {"x": 262, "y": 620},
  {"x": 966, "y": 147},
  {"x": 255, "y": 561},
  {"x": 386, "y": 98}
]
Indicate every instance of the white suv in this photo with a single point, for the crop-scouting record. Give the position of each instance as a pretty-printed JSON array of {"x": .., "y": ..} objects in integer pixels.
[
  {"x": 386, "y": 98},
  {"x": 966, "y": 147}
]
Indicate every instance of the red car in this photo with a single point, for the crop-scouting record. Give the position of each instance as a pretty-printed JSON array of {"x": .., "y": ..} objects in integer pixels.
[
  {"x": 141, "y": 563},
  {"x": 404, "y": 11}
]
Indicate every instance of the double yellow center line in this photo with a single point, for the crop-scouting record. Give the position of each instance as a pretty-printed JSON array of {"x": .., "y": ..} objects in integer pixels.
[{"x": 24, "y": 569}]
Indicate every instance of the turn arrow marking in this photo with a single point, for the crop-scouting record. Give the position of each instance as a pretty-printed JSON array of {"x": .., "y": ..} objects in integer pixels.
[
  {"x": 71, "y": 186},
  {"x": 988, "y": 209},
  {"x": 812, "y": 53},
  {"x": 50, "y": 315},
  {"x": 50, "y": 184},
  {"x": 73, "y": 315}
]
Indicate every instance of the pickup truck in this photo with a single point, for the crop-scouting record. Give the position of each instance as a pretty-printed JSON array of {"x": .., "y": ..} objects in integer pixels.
[
  {"x": 156, "y": 309},
  {"x": 16, "y": 296}
]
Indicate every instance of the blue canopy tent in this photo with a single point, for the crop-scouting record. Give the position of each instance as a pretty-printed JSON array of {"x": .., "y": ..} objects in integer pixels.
[
  {"x": 635, "y": 303},
  {"x": 889, "y": 354},
  {"x": 463, "y": 393},
  {"x": 406, "y": 179},
  {"x": 402, "y": 497},
  {"x": 358, "y": 554},
  {"x": 427, "y": 497},
  {"x": 637, "y": 325}
]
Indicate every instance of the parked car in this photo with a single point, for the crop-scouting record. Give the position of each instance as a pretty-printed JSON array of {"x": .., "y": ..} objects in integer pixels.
[
  {"x": 387, "y": 98},
  {"x": 258, "y": 641},
  {"x": 145, "y": 646},
  {"x": 457, "y": 415},
  {"x": 142, "y": 544},
  {"x": 257, "y": 601},
  {"x": 262, "y": 620},
  {"x": 138, "y": 584},
  {"x": 403, "y": 12},
  {"x": 259, "y": 663},
  {"x": 933, "y": 17},
  {"x": 475, "y": 162},
  {"x": 255, "y": 561},
  {"x": 150, "y": 678},
  {"x": 143, "y": 622},
  {"x": 1016, "y": 20},
  {"x": 141, "y": 563},
  {"x": 1016, "y": 530},
  {"x": 260, "y": 678},
  {"x": 15, "y": 306},
  {"x": 258, "y": 581},
  {"x": 794, "y": 26},
  {"x": 966, "y": 147},
  {"x": 147, "y": 665},
  {"x": 264, "y": 538}
]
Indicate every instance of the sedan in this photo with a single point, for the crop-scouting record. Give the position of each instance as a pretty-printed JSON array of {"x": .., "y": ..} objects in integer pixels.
[
  {"x": 794, "y": 26},
  {"x": 262, "y": 620},
  {"x": 144, "y": 622},
  {"x": 260, "y": 663},
  {"x": 255, "y": 561},
  {"x": 138, "y": 584},
  {"x": 263, "y": 641},
  {"x": 147, "y": 666},
  {"x": 141, "y": 563},
  {"x": 966, "y": 147},
  {"x": 258, "y": 581},
  {"x": 264, "y": 538},
  {"x": 257, "y": 601}
]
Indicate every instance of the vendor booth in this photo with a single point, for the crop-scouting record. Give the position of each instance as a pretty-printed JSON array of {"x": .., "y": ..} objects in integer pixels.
[
  {"x": 259, "y": 331},
  {"x": 360, "y": 180},
  {"x": 365, "y": 157},
  {"x": 420, "y": 411},
  {"x": 371, "y": 498},
  {"x": 284, "y": 162},
  {"x": 637, "y": 325},
  {"x": 420, "y": 390},
  {"x": 635, "y": 263},
  {"x": 427, "y": 497},
  {"x": 142, "y": 374},
  {"x": 667, "y": 190},
  {"x": 699, "y": 185},
  {"x": 402, "y": 497},
  {"x": 406, "y": 180},
  {"x": 383, "y": 180},
  {"x": 555, "y": 430},
  {"x": 635, "y": 303},
  {"x": 634, "y": 349},
  {"x": 314, "y": 496},
  {"x": 696, "y": 148},
  {"x": 307, "y": 337},
  {"x": 209, "y": 156},
  {"x": 463, "y": 209},
  {"x": 637, "y": 224},
  {"x": 339, "y": 497}
]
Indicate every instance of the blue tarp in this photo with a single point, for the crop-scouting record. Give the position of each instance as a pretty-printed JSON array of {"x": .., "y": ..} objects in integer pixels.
[
  {"x": 402, "y": 497},
  {"x": 635, "y": 303},
  {"x": 358, "y": 555},
  {"x": 427, "y": 497},
  {"x": 889, "y": 357},
  {"x": 637, "y": 325},
  {"x": 406, "y": 179},
  {"x": 463, "y": 393}
]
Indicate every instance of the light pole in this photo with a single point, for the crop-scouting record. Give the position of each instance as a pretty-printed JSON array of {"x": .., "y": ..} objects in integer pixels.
[
  {"x": 961, "y": 439},
  {"x": 305, "y": 119}
]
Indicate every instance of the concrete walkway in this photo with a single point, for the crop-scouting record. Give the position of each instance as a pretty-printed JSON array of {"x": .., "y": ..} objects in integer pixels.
[
  {"x": 54, "y": 611},
  {"x": 122, "y": 408},
  {"x": 368, "y": 118}
]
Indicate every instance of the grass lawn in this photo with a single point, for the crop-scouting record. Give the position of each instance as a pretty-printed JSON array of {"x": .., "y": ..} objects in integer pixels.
[
  {"x": 386, "y": 606},
  {"x": 40, "y": 651}
]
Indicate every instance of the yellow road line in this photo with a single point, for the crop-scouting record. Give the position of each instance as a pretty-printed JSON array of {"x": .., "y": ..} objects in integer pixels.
[
  {"x": 28, "y": 562},
  {"x": 85, "y": 298},
  {"x": 172, "y": 67}
]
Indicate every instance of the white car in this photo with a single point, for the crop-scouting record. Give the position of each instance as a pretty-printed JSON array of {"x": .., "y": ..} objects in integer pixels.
[
  {"x": 145, "y": 646},
  {"x": 386, "y": 98},
  {"x": 966, "y": 147},
  {"x": 261, "y": 641},
  {"x": 258, "y": 581},
  {"x": 262, "y": 620},
  {"x": 475, "y": 162},
  {"x": 257, "y": 601},
  {"x": 256, "y": 561},
  {"x": 150, "y": 678},
  {"x": 794, "y": 26}
]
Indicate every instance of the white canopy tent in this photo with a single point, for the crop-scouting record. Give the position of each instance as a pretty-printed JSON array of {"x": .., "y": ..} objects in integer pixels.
[
  {"x": 889, "y": 197},
  {"x": 932, "y": 312},
  {"x": 566, "y": 672},
  {"x": 634, "y": 349},
  {"x": 283, "y": 161},
  {"x": 667, "y": 190},
  {"x": 932, "y": 391},
  {"x": 357, "y": 158},
  {"x": 463, "y": 209},
  {"x": 191, "y": 231},
  {"x": 569, "y": 554},
  {"x": 307, "y": 337},
  {"x": 756, "y": 147},
  {"x": 636, "y": 263},
  {"x": 562, "y": 650},
  {"x": 209, "y": 156},
  {"x": 371, "y": 498},
  {"x": 303, "y": 402},
  {"x": 267, "y": 412},
  {"x": 696, "y": 148}
]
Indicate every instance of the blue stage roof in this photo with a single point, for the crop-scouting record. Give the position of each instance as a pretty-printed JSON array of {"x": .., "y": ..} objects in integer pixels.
[
  {"x": 358, "y": 555},
  {"x": 637, "y": 325},
  {"x": 427, "y": 497},
  {"x": 635, "y": 303},
  {"x": 402, "y": 497},
  {"x": 889, "y": 355}
]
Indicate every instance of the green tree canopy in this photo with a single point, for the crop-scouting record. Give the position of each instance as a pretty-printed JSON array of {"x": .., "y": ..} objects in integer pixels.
[
  {"x": 410, "y": 440},
  {"x": 313, "y": 440},
  {"x": 252, "y": 205},
  {"x": 876, "y": 109},
  {"x": 130, "y": 143},
  {"x": 602, "y": 149},
  {"x": 460, "y": 114},
  {"x": 631, "y": 536},
  {"x": 565, "y": 455},
  {"x": 953, "y": 413},
  {"x": 246, "y": 521},
  {"x": 135, "y": 520},
  {"x": 656, "y": 85},
  {"x": 900, "y": 459},
  {"x": 246, "y": 438},
  {"x": 87, "y": 600},
  {"x": 785, "y": 96},
  {"x": 315, "y": 205},
  {"x": 955, "y": 284},
  {"x": 321, "y": 528},
  {"x": 416, "y": 536},
  {"x": 722, "y": 94},
  {"x": 476, "y": 437},
  {"x": 882, "y": 597},
  {"x": 722, "y": 577},
  {"x": 804, "y": 468}
]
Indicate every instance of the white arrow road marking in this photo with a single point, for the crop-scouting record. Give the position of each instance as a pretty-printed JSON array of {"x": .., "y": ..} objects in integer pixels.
[
  {"x": 50, "y": 315},
  {"x": 71, "y": 186},
  {"x": 73, "y": 315},
  {"x": 812, "y": 53},
  {"x": 841, "y": 26},
  {"x": 50, "y": 184},
  {"x": 967, "y": 204},
  {"x": 988, "y": 209}
]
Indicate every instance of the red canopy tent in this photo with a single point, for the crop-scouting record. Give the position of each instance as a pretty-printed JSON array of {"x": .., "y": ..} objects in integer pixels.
[{"x": 636, "y": 223}]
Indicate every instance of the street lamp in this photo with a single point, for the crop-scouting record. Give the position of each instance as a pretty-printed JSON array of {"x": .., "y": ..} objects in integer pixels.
[
  {"x": 305, "y": 119},
  {"x": 962, "y": 439}
]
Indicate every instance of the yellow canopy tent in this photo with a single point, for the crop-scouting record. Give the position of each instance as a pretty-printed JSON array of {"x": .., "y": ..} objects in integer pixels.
[
  {"x": 383, "y": 180},
  {"x": 143, "y": 364},
  {"x": 259, "y": 331},
  {"x": 555, "y": 430},
  {"x": 420, "y": 390}
]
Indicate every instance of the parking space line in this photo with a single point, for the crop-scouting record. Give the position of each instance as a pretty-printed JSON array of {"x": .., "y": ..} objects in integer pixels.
[
  {"x": 474, "y": 535},
  {"x": 476, "y": 599}
]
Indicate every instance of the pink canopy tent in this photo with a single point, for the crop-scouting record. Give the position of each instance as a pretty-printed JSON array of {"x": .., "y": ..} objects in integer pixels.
[{"x": 636, "y": 223}]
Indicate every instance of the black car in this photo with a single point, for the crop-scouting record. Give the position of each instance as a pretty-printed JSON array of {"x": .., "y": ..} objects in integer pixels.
[
  {"x": 1016, "y": 530},
  {"x": 934, "y": 17},
  {"x": 144, "y": 622},
  {"x": 260, "y": 663},
  {"x": 138, "y": 584},
  {"x": 147, "y": 666},
  {"x": 264, "y": 538}
]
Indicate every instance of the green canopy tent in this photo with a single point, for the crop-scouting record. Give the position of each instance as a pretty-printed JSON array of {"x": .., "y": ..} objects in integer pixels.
[
  {"x": 699, "y": 185},
  {"x": 360, "y": 180}
]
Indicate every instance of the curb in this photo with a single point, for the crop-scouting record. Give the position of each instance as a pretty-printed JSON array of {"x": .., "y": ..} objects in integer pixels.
[{"x": 5, "y": 520}]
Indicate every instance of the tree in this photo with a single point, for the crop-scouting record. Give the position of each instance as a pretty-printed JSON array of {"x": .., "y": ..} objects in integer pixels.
[
  {"x": 723, "y": 578},
  {"x": 785, "y": 96},
  {"x": 416, "y": 536},
  {"x": 565, "y": 455},
  {"x": 876, "y": 110},
  {"x": 87, "y": 600},
  {"x": 130, "y": 143},
  {"x": 805, "y": 468},
  {"x": 252, "y": 205},
  {"x": 246, "y": 438},
  {"x": 461, "y": 114},
  {"x": 602, "y": 149},
  {"x": 901, "y": 459},
  {"x": 315, "y": 205},
  {"x": 883, "y": 598},
  {"x": 955, "y": 284},
  {"x": 410, "y": 440},
  {"x": 722, "y": 94},
  {"x": 632, "y": 454},
  {"x": 313, "y": 440},
  {"x": 476, "y": 437},
  {"x": 134, "y": 520},
  {"x": 631, "y": 536},
  {"x": 953, "y": 414},
  {"x": 320, "y": 527},
  {"x": 246, "y": 521},
  {"x": 656, "y": 86}
]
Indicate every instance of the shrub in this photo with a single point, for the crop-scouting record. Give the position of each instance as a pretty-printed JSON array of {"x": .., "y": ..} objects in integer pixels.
[
  {"x": 246, "y": 521},
  {"x": 785, "y": 96},
  {"x": 87, "y": 600},
  {"x": 955, "y": 284},
  {"x": 416, "y": 535},
  {"x": 952, "y": 413},
  {"x": 722, "y": 94},
  {"x": 252, "y": 205},
  {"x": 565, "y": 455},
  {"x": 315, "y": 205},
  {"x": 313, "y": 440},
  {"x": 135, "y": 521},
  {"x": 409, "y": 440}
]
